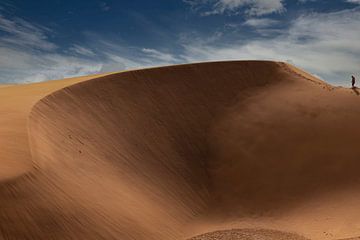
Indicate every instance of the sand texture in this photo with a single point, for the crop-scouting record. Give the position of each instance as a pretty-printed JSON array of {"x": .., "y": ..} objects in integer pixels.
[{"x": 223, "y": 150}]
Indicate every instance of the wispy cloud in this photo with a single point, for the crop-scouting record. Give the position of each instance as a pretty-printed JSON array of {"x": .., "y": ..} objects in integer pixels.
[
  {"x": 160, "y": 56},
  {"x": 82, "y": 50},
  {"x": 20, "y": 33},
  {"x": 27, "y": 54},
  {"x": 260, "y": 22},
  {"x": 251, "y": 7},
  {"x": 353, "y": 1},
  {"x": 29, "y": 66},
  {"x": 325, "y": 44}
]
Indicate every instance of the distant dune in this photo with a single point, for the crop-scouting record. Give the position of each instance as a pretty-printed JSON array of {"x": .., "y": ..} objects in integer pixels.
[{"x": 222, "y": 150}]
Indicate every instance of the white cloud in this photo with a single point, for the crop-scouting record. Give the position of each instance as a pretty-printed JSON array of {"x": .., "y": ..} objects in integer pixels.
[
  {"x": 82, "y": 50},
  {"x": 27, "y": 66},
  {"x": 27, "y": 54},
  {"x": 20, "y": 33},
  {"x": 353, "y": 1},
  {"x": 326, "y": 44},
  {"x": 160, "y": 56},
  {"x": 115, "y": 62},
  {"x": 260, "y": 22},
  {"x": 252, "y": 7}
]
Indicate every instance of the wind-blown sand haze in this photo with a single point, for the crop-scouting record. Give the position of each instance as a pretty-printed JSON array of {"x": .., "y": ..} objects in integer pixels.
[{"x": 221, "y": 150}]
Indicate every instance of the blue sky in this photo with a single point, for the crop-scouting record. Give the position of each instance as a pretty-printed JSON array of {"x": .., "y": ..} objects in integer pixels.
[{"x": 42, "y": 40}]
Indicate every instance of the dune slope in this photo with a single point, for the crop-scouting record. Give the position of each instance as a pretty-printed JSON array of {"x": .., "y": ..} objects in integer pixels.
[
  {"x": 175, "y": 152},
  {"x": 15, "y": 106}
]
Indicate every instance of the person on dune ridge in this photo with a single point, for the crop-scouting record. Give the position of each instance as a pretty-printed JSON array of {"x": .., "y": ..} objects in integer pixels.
[{"x": 352, "y": 81}]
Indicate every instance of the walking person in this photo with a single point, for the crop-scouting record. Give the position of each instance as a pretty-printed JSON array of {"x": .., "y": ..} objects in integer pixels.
[{"x": 353, "y": 81}]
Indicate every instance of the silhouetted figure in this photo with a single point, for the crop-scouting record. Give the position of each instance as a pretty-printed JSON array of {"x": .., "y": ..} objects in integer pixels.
[{"x": 353, "y": 81}]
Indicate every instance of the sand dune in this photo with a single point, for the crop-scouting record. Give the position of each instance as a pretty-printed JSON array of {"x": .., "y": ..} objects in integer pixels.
[
  {"x": 16, "y": 103},
  {"x": 181, "y": 152}
]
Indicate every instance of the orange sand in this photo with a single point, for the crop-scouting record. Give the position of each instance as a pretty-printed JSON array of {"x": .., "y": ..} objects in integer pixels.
[{"x": 181, "y": 151}]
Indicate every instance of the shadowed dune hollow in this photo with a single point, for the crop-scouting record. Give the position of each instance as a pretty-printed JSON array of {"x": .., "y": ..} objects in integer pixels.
[{"x": 176, "y": 152}]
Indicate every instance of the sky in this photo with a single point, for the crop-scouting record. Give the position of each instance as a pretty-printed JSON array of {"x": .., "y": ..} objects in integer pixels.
[{"x": 44, "y": 40}]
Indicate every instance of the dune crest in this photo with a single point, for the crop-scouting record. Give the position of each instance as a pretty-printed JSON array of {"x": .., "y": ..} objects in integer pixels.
[{"x": 176, "y": 152}]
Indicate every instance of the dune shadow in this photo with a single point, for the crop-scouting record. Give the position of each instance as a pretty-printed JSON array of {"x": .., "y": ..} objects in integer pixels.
[{"x": 355, "y": 89}]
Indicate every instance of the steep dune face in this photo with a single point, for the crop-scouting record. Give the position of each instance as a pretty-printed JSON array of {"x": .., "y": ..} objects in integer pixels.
[
  {"x": 173, "y": 152},
  {"x": 15, "y": 105},
  {"x": 148, "y": 130}
]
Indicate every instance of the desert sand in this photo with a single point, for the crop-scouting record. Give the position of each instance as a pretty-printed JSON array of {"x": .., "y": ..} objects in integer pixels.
[{"x": 222, "y": 150}]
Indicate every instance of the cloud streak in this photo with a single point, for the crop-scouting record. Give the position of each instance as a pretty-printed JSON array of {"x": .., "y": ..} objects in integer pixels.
[
  {"x": 260, "y": 22},
  {"x": 251, "y": 7},
  {"x": 27, "y": 54},
  {"x": 326, "y": 44},
  {"x": 353, "y": 1},
  {"x": 20, "y": 33}
]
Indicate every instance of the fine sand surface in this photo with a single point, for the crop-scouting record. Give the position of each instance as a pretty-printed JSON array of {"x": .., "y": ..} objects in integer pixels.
[
  {"x": 223, "y": 150},
  {"x": 16, "y": 102}
]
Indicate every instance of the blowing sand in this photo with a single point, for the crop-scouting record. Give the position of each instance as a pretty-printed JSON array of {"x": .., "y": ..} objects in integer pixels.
[{"x": 181, "y": 152}]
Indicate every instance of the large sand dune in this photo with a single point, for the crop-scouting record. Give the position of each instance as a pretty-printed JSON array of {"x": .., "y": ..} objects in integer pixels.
[{"x": 182, "y": 152}]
